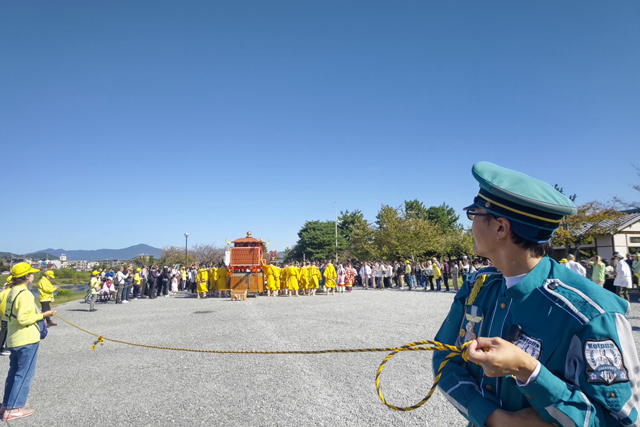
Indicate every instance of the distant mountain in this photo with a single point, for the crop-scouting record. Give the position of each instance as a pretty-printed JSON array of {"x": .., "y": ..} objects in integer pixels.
[
  {"x": 103, "y": 254},
  {"x": 36, "y": 255}
]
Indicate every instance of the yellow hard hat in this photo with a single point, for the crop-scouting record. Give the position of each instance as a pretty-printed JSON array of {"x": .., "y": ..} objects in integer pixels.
[
  {"x": 137, "y": 269},
  {"x": 95, "y": 273},
  {"x": 563, "y": 260},
  {"x": 22, "y": 269},
  {"x": 407, "y": 262},
  {"x": 49, "y": 273}
]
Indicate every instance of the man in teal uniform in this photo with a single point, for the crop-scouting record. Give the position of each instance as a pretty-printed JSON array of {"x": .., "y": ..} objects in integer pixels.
[{"x": 548, "y": 346}]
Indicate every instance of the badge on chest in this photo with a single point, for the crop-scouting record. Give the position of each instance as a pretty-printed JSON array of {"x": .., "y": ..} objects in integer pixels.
[{"x": 471, "y": 324}]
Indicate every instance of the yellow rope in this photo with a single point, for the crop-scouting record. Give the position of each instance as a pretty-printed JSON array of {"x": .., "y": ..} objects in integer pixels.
[
  {"x": 414, "y": 346},
  {"x": 476, "y": 289}
]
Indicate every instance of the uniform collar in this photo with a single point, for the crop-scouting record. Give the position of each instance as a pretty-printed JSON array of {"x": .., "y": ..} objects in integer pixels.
[{"x": 534, "y": 279}]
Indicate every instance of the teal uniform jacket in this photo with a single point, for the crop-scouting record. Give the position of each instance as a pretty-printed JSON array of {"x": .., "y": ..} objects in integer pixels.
[{"x": 579, "y": 333}]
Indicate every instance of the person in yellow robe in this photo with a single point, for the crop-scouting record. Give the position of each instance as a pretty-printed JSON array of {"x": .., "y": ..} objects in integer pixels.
[
  {"x": 314, "y": 278},
  {"x": 222, "y": 283},
  {"x": 283, "y": 281},
  {"x": 201, "y": 279},
  {"x": 304, "y": 278},
  {"x": 213, "y": 279},
  {"x": 330, "y": 277},
  {"x": 293, "y": 278},
  {"x": 269, "y": 272}
]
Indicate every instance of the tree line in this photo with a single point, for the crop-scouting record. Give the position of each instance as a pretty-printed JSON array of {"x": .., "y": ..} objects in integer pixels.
[{"x": 408, "y": 232}]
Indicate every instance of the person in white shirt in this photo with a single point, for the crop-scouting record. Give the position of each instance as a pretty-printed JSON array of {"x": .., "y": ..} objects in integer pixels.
[
  {"x": 622, "y": 281},
  {"x": 379, "y": 273},
  {"x": 365, "y": 273},
  {"x": 120, "y": 285},
  {"x": 574, "y": 266},
  {"x": 387, "y": 272},
  {"x": 144, "y": 276}
]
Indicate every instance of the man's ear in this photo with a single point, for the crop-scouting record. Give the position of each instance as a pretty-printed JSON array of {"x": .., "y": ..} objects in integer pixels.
[{"x": 504, "y": 228}]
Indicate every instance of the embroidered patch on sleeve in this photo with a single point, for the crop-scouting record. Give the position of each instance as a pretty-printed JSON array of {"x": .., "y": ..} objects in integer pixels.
[
  {"x": 604, "y": 362},
  {"x": 531, "y": 346}
]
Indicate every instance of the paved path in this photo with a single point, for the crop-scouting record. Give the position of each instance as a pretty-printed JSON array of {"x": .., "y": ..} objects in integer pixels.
[{"x": 123, "y": 385}]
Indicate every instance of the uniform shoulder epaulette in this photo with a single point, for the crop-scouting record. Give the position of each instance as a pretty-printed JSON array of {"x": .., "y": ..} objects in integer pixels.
[
  {"x": 487, "y": 271},
  {"x": 582, "y": 299}
]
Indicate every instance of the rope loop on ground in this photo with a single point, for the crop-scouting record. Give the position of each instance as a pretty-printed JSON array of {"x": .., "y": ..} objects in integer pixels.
[
  {"x": 426, "y": 346},
  {"x": 414, "y": 346}
]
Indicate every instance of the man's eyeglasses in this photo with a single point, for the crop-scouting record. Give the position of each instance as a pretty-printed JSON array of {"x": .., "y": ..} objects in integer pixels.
[{"x": 471, "y": 213}]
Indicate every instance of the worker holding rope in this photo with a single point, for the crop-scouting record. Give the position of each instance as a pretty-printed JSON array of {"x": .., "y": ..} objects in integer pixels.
[{"x": 547, "y": 346}]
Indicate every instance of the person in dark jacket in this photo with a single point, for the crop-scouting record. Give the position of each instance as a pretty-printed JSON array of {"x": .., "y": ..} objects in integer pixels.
[
  {"x": 165, "y": 280},
  {"x": 128, "y": 283},
  {"x": 154, "y": 274}
]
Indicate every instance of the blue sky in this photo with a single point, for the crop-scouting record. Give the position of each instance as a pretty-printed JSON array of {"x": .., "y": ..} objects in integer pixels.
[{"x": 133, "y": 122}]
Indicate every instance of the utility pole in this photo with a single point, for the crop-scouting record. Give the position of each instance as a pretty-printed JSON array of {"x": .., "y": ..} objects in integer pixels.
[
  {"x": 336, "y": 208},
  {"x": 186, "y": 251}
]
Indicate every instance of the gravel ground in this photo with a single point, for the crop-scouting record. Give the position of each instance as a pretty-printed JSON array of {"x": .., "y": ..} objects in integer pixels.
[{"x": 124, "y": 385}]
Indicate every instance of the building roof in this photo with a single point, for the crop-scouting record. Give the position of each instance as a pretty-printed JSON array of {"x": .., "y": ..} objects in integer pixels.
[{"x": 629, "y": 218}]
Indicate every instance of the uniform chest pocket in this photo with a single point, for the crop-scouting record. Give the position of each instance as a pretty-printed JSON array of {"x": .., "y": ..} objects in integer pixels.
[{"x": 539, "y": 345}]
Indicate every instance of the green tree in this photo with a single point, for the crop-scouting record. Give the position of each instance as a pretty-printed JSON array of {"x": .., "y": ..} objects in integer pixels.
[
  {"x": 347, "y": 221},
  {"x": 361, "y": 244},
  {"x": 457, "y": 243},
  {"x": 172, "y": 255},
  {"x": 592, "y": 219},
  {"x": 317, "y": 241},
  {"x": 444, "y": 218},
  {"x": 415, "y": 209},
  {"x": 404, "y": 237}
]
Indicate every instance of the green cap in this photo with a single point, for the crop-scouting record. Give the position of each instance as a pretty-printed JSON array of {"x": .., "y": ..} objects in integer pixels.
[{"x": 534, "y": 207}]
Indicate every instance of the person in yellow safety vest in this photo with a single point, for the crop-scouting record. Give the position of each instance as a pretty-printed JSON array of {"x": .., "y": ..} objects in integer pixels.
[
  {"x": 94, "y": 288},
  {"x": 136, "y": 283},
  {"x": 3, "y": 307},
  {"x": 202, "y": 278},
  {"x": 222, "y": 283},
  {"x": 293, "y": 276},
  {"x": 213, "y": 279},
  {"x": 45, "y": 294},
  {"x": 304, "y": 278},
  {"x": 314, "y": 278},
  {"x": 330, "y": 277},
  {"x": 183, "y": 278},
  {"x": 437, "y": 276},
  {"x": 269, "y": 272},
  {"x": 23, "y": 340}
]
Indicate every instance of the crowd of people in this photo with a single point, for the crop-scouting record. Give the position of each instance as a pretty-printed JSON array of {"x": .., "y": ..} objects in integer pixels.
[
  {"x": 128, "y": 283},
  {"x": 617, "y": 274},
  {"x": 308, "y": 278}
]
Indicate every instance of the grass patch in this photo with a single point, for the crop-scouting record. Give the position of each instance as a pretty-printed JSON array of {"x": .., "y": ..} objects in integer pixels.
[
  {"x": 67, "y": 297},
  {"x": 62, "y": 296}
]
